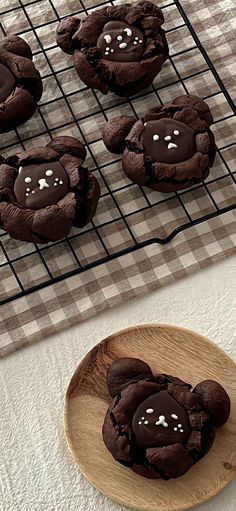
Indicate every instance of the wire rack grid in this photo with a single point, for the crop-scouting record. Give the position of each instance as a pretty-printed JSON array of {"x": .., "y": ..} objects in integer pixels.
[{"x": 128, "y": 216}]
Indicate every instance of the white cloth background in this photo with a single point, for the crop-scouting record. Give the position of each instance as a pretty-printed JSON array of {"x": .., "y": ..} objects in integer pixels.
[{"x": 37, "y": 472}]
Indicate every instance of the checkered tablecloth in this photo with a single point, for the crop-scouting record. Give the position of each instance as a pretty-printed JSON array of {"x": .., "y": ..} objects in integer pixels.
[{"x": 126, "y": 214}]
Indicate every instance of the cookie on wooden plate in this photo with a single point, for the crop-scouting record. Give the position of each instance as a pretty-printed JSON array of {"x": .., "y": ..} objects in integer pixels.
[{"x": 157, "y": 424}]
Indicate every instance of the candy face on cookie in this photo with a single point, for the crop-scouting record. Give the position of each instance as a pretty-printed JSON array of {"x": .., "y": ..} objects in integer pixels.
[
  {"x": 168, "y": 141},
  {"x": 121, "y": 42},
  {"x": 40, "y": 185},
  {"x": 7, "y": 82},
  {"x": 160, "y": 421}
]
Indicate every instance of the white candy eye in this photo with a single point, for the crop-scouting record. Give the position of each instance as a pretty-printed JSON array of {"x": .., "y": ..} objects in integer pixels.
[
  {"x": 49, "y": 173},
  {"x": 28, "y": 179},
  {"x": 167, "y": 138},
  {"x": 123, "y": 46},
  {"x": 128, "y": 31},
  {"x": 176, "y": 132},
  {"x": 119, "y": 38},
  {"x": 107, "y": 38},
  {"x": 155, "y": 137}
]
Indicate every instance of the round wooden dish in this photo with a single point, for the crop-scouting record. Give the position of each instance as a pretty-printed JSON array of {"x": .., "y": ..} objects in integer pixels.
[{"x": 167, "y": 349}]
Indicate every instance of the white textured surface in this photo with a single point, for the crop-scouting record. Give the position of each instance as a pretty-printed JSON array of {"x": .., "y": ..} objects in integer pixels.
[{"x": 36, "y": 470}]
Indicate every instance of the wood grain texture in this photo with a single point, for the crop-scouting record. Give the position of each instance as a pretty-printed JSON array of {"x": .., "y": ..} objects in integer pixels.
[{"x": 168, "y": 349}]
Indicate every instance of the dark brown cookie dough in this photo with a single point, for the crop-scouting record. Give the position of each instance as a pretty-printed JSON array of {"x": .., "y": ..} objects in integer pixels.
[
  {"x": 20, "y": 83},
  {"x": 169, "y": 149},
  {"x": 157, "y": 425},
  {"x": 118, "y": 48},
  {"x": 45, "y": 191}
]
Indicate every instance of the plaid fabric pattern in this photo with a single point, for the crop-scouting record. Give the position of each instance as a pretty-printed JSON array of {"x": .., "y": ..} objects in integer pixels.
[{"x": 127, "y": 214}]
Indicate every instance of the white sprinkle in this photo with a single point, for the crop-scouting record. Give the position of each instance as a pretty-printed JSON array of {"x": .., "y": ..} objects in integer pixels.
[
  {"x": 28, "y": 179},
  {"x": 149, "y": 410},
  {"x": 140, "y": 41},
  {"x": 180, "y": 426},
  {"x": 168, "y": 138},
  {"x": 119, "y": 38},
  {"x": 174, "y": 416},
  {"x": 136, "y": 38},
  {"x": 155, "y": 137},
  {"x": 57, "y": 179},
  {"x": 49, "y": 173},
  {"x": 140, "y": 422},
  {"x": 143, "y": 418},
  {"x": 33, "y": 191},
  {"x": 112, "y": 51},
  {"x": 145, "y": 124},
  {"x": 181, "y": 431},
  {"x": 61, "y": 183},
  {"x": 27, "y": 194},
  {"x": 176, "y": 132},
  {"x": 107, "y": 38},
  {"x": 28, "y": 189},
  {"x": 107, "y": 48},
  {"x": 20, "y": 169},
  {"x": 106, "y": 53},
  {"x": 172, "y": 146},
  {"x": 135, "y": 42},
  {"x": 145, "y": 422},
  {"x": 55, "y": 184},
  {"x": 175, "y": 429},
  {"x": 123, "y": 46},
  {"x": 128, "y": 31}
]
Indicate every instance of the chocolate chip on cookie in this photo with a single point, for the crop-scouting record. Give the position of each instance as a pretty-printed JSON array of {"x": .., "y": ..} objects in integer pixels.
[{"x": 157, "y": 425}]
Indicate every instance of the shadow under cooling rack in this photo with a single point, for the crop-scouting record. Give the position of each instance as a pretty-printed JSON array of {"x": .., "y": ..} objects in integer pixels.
[{"x": 128, "y": 216}]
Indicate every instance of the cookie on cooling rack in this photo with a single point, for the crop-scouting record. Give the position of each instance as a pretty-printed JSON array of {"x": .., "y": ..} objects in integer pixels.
[
  {"x": 119, "y": 48},
  {"x": 20, "y": 83},
  {"x": 45, "y": 191},
  {"x": 157, "y": 425},
  {"x": 169, "y": 149}
]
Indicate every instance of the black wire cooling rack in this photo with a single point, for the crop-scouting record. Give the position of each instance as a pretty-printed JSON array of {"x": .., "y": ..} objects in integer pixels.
[{"x": 128, "y": 217}]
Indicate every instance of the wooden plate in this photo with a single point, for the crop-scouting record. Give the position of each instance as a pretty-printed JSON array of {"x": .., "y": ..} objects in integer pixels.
[{"x": 167, "y": 349}]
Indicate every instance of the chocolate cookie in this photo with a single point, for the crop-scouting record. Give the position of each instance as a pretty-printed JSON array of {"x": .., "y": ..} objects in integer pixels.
[
  {"x": 45, "y": 191},
  {"x": 169, "y": 149},
  {"x": 157, "y": 425},
  {"x": 118, "y": 48},
  {"x": 20, "y": 83}
]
